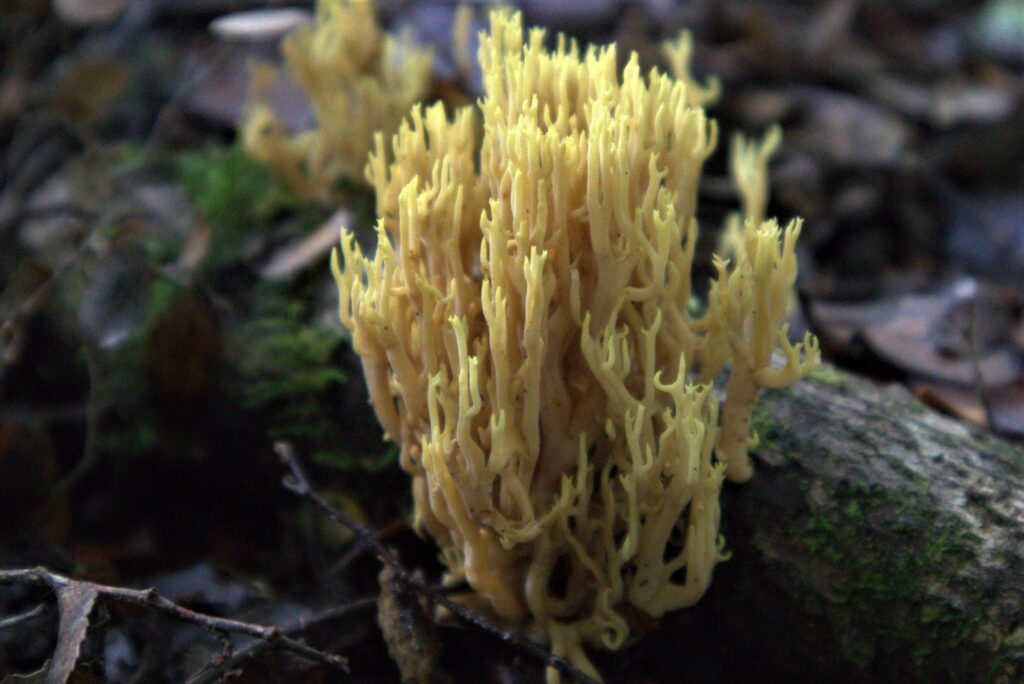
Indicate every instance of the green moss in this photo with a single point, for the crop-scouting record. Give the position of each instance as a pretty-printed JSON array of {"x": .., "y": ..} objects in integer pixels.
[
  {"x": 1015, "y": 639},
  {"x": 1013, "y": 454},
  {"x": 288, "y": 360},
  {"x": 829, "y": 375},
  {"x": 342, "y": 460},
  {"x": 772, "y": 436},
  {"x": 915, "y": 406},
  {"x": 238, "y": 199},
  {"x": 287, "y": 366},
  {"x": 291, "y": 377},
  {"x": 887, "y": 567},
  {"x": 138, "y": 437}
]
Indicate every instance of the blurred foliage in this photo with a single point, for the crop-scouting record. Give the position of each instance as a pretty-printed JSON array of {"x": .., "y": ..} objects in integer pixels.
[
  {"x": 310, "y": 521},
  {"x": 291, "y": 376},
  {"x": 344, "y": 461},
  {"x": 121, "y": 380},
  {"x": 239, "y": 200},
  {"x": 287, "y": 364}
]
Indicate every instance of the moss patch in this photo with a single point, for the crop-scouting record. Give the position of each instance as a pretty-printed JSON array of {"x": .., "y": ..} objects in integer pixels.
[
  {"x": 292, "y": 379},
  {"x": 890, "y": 553},
  {"x": 772, "y": 436},
  {"x": 239, "y": 200},
  {"x": 829, "y": 375}
]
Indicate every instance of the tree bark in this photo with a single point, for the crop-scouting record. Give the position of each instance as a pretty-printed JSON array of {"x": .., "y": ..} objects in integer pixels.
[{"x": 877, "y": 541}]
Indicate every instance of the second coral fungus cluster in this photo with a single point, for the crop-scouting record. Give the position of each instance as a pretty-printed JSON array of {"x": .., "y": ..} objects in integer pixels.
[
  {"x": 525, "y": 334},
  {"x": 358, "y": 78}
]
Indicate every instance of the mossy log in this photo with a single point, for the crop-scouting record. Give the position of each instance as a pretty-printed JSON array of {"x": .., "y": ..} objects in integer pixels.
[{"x": 878, "y": 541}]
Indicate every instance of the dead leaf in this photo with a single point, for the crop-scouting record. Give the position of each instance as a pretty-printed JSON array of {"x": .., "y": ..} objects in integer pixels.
[
  {"x": 75, "y": 601},
  {"x": 261, "y": 24},
  {"x": 197, "y": 246},
  {"x": 961, "y": 402},
  {"x": 958, "y": 103},
  {"x": 88, "y": 89},
  {"x": 115, "y": 300},
  {"x": 26, "y": 293},
  {"x": 89, "y": 12},
  {"x": 184, "y": 351},
  {"x": 986, "y": 232},
  {"x": 839, "y": 323},
  {"x": 310, "y": 250},
  {"x": 220, "y": 87},
  {"x": 410, "y": 634},
  {"x": 1008, "y": 410},
  {"x": 947, "y": 104},
  {"x": 201, "y": 583},
  {"x": 904, "y": 341},
  {"x": 848, "y": 130},
  {"x": 830, "y": 28},
  {"x": 924, "y": 334},
  {"x": 1007, "y": 405},
  {"x": 761, "y": 107}
]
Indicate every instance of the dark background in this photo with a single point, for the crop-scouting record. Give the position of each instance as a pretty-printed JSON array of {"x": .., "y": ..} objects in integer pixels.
[{"x": 150, "y": 355}]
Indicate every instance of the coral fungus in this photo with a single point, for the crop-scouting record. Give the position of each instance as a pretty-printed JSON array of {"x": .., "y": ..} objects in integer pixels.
[
  {"x": 358, "y": 79},
  {"x": 525, "y": 335}
]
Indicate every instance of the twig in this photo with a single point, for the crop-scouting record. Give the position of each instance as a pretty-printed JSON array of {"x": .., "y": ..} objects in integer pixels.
[
  {"x": 358, "y": 548},
  {"x": 971, "y": 333},
  {"x": 297, "y": 483},
  {"x": 93, "y": 413},
  {"x": 16, "y": 620},
  {"x": 298, "y": 626},
  {"x": 49, "y": 212},
  {"x": 188, "y": 83},
  {"x": 222, "y": 658},
  {"x": 150, "y": 598},
  {"x": 310, "y": 621}
]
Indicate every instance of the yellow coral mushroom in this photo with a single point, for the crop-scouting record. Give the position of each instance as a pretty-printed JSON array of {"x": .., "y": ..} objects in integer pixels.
[
  {"x": 358, "y": 79},
  {"x": 524, "y": 332},
  {"x": 676, "y": 54},
  {"x": 748, "y": 162}
]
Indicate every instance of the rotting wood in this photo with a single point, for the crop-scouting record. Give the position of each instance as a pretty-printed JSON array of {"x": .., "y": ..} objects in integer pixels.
[{"x": 877, "y": 541}]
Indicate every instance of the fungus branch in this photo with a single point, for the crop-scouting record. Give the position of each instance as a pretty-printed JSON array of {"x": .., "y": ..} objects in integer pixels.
[{"x": 297, "y": 483}]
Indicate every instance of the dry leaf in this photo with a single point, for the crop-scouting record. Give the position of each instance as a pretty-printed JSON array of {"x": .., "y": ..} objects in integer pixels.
[
  {"x": 88, "y": 89},
  {"x": 75, "y": 601},
  {"x": 410, "y": 634},
  {"x": 259, "y": 25},
  {"x": 310, "y": 250},
  {"x": 89, "y": 12}
]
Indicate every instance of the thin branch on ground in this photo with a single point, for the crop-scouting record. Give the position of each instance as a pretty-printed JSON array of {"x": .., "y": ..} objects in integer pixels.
[
  {"x": 188, "y": 84},
  {"x": 16, "y": 620},
  {"x": 213, "y": 671},
  {"x": 297, "y": 483},
  {"x": 980, "y": 389},
  {"x": 93, "y": 413},
  {"x": 358, "y": 548},
  {"x": 150, "y": 598}
]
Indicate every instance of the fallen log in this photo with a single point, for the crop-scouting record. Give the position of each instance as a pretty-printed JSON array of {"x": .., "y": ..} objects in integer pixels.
[{"x": 878, "y": 541}]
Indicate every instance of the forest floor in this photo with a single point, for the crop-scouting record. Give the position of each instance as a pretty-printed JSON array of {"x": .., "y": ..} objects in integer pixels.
[{"x": 167, "y": 314}]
